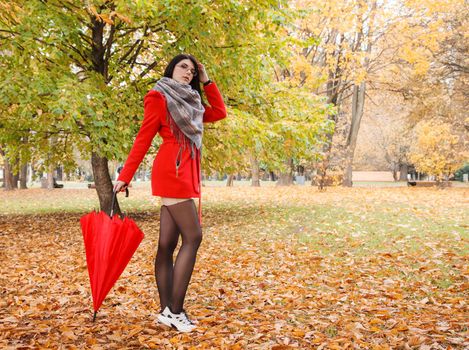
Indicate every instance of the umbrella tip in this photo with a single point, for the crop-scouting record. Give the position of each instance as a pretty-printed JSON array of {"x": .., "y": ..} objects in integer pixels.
[{"x": 94, "y": 316}]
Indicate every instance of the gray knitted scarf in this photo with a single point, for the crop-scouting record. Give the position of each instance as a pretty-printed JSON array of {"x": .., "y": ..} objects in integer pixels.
[{"x": 185, "y": 111}]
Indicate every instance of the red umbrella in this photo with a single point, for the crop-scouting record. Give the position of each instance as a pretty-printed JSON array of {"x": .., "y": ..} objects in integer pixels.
[{"x": 110, "y": 243}]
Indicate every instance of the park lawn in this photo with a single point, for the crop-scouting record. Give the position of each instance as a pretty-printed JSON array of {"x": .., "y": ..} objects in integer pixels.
[{"x": 278, "y": 268}]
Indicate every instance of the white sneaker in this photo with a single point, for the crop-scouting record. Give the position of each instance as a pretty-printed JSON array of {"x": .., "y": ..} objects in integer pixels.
[{"x": 180, "y": 321}]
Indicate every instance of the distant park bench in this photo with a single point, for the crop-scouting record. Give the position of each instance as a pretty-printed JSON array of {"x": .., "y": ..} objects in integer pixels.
[{"x": 428, "y": 183}]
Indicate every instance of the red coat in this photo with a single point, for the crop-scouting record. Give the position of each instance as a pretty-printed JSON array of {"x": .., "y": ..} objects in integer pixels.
[{"x": 165, "y": 182}]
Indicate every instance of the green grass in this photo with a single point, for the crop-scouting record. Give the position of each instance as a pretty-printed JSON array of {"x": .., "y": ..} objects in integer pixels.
[
  {"x": 338, "y": 232},
  {"x": 332, "y": 228},
  {"x": 335, "y": 228},
  {"x": 381, "y": 227}
]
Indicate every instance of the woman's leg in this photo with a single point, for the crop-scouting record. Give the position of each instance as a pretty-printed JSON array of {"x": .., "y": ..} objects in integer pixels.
[
  {"x": 185, "y": 216},
  {"x": 167, "y": 243}
]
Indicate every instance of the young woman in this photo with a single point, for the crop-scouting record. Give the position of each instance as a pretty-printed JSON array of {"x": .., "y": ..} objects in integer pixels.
[{"x": 174, "y": 109}]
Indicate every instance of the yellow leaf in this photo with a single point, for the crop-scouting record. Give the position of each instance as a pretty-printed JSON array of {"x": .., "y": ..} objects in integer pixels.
[
  {"x": 402, "y": 327},
  {"x": 69, "y": 335},
  {"x": 123, "y": 18},
  {"x": 174, "y": 340},
  {"x": 134, "y": 331},
  {"x": 299, "y": 333},
  {"x": 114, "y": 337},
  {"x": 106, "y": 18},
  {"x": 376, "y": 321}
]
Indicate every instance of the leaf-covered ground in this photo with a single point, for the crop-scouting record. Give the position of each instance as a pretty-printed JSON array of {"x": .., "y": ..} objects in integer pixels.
[{"x": 278, "y": 268}]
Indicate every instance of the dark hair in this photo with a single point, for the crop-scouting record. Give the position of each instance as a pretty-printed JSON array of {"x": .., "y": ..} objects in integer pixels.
[{"x": 195, "y": 82}]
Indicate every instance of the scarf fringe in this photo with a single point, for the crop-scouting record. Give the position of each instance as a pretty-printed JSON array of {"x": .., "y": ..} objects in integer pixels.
[{"x": 182, "y": 140}]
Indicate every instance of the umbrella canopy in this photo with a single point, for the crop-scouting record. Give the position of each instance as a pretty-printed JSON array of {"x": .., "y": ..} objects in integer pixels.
[{"x": 110, "y": 243}]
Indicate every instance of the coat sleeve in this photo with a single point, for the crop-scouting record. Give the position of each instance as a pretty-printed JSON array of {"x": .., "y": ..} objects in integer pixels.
[
  {"x": 154, "y": 107},
  {"x": 216, "y": 110}
]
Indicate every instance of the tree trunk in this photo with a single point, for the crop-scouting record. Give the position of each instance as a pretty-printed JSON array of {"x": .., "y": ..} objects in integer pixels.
[
  {"x": 334, "y": 98},
  {"x": 59, "y": 173},
  {"x": 286, "y": 179},
  {"x": 230, "y": 180},
  {"x": 255, "y": 182},
  {"x": 24, "y": 177},
  {"x": 404, "y": 170},
  {"x": 347, "y": 181},
  {"x": 8, "y": 177},
  {"x": 31, "y": 173},
  {"x": 142, "y": 172},
  {"x": 358, "y": 104},
  {"x": 16, "y": 178},
  {"x": 103, "y": 183},
  {"x": 50, "y": 178},
  {"x": 320, "y": 179},
  {"x": 100, "y": 64},
  {"x": 394, "y": 167}
]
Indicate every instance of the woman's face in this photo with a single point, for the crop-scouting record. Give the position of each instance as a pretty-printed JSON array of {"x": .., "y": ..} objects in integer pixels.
[{"x": 184, "y": 71}]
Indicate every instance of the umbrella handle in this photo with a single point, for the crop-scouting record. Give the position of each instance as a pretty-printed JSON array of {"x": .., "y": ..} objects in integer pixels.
[{"x": 114, "y": 195}]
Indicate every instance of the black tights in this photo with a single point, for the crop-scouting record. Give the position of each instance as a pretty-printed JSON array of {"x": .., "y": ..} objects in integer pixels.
[{"x": 172, "y": 282}]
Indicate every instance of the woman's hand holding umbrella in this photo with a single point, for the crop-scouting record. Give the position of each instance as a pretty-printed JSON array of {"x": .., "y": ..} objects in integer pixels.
[{"x": 120, "y": 186}]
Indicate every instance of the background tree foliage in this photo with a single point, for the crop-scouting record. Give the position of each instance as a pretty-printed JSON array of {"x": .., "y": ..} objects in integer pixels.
[
  {"x": 363, "y": 51},
  {"x": 437, "y": 150},
  {"x": 81, "y": 68},
  {"x": 297, "y": 77}
]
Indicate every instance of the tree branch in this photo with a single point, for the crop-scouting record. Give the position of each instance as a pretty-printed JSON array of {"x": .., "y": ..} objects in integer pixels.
[{"x": 149, "y": 68}]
